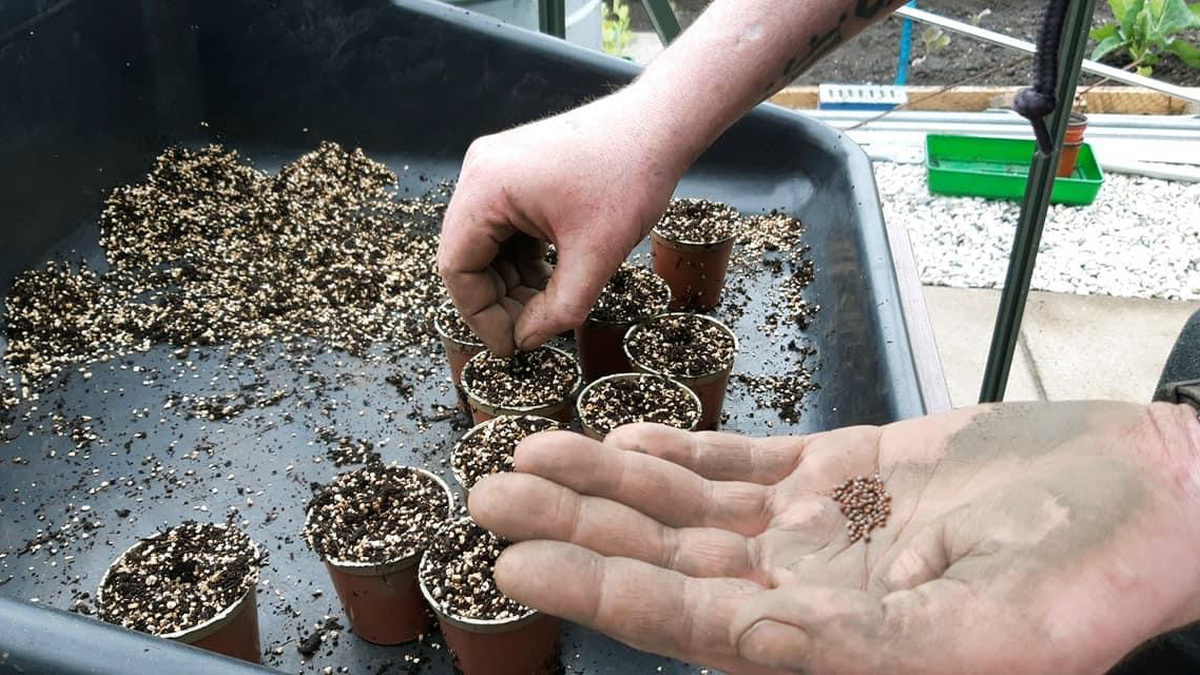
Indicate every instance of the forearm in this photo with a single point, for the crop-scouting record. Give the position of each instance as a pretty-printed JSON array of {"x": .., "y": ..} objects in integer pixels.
[{"x": 738, "y": 53}]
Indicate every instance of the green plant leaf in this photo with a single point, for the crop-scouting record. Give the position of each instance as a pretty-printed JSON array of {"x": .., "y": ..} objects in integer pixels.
[
  {"x": 1194, "y": 8},
  {"x": 1106, "y": 47},
  {"x": 1145, "y": 71},
  {"x": 1103, "y": 32},
  {"x": 1186, "y": 51},
  {"x": 1119, "y": 8},
  {"x": 1175, "y": 18}
]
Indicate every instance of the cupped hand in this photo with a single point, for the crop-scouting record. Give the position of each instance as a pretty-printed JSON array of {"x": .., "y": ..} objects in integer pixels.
[
  {"x": 1023, "y": 538},
  {"x": 592, "y": 181}
]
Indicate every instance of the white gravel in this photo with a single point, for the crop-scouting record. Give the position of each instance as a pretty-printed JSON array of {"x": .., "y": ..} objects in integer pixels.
[{"x": 1140, "y": 238}]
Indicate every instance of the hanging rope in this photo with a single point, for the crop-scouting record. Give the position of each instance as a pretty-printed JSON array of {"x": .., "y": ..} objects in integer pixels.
[{"x": 1034, "y": 103}]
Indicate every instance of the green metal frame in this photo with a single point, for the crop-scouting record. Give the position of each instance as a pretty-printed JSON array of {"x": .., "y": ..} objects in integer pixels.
[{"x": 1007, "y": 329}]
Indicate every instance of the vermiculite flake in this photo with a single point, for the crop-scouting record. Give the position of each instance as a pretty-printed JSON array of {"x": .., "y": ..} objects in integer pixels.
[
  {"x": 376, "y": 514},
  {"x": 458, "y": 571},
  {"x": 490, "y": 450},
  {"x": 179, "y": 579},
  {"x": 642, "y": 398},
  {"x": 865, "y": 503}
]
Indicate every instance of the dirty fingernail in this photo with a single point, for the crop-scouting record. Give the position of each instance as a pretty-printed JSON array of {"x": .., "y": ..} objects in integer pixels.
[{"x": 775, "y": 644}]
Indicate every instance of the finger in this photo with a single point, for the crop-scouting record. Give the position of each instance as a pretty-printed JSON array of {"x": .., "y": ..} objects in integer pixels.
[
  {"x": 934, "y": 628},
  {"x": 714, "y": 455},
  {"x": 470, "y": 242},
  {"x": 573, "y": 288},
  {"x": 644, "y": 606},
  {"x": 666, "y": 492},
  {"x": 521, "y": 507}
]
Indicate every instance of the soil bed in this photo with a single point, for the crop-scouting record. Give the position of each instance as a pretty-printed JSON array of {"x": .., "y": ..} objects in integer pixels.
[
  {"x": 457, "y": 570},
  {"x": 627, "y": 399},
  {"x": 489, "y": 447},
  {"x": 698, "y": 221},
  {"x": 376, "y": 515},
  {"x": 683, "y": 345},
  {"x": 177, "y": 580},
  {"x": 525, "y": 379},
  {"x": 632, "y": 294},
  {"x": 453, "y": 325}
]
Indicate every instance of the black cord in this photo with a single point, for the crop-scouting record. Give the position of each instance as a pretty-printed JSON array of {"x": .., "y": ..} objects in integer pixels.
[{"x": 1036, "y": 102}]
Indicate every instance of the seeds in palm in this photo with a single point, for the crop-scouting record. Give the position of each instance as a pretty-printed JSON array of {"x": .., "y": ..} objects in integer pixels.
[{"x": 865, "y": 503}]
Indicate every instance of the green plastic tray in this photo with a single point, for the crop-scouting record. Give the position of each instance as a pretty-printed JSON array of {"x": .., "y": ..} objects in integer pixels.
[{"x": 996, "y": 168}]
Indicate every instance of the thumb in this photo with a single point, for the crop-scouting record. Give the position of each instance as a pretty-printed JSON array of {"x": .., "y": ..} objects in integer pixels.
[
  {"x": 815, "y": 629},
  {"x": 581, "y": 273}
]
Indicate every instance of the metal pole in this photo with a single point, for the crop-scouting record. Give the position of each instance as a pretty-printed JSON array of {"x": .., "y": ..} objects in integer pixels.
[
  {"x": 1033, "y": 208},
  {"x": 663, "y": 19},
  {"x": 552, "y": 17}
]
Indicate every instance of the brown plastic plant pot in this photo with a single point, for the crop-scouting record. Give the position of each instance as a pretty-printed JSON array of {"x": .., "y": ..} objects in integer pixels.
[
  {"x": 599, "y": 343},
  {"x": 1076, "y": 126},
  {"x": 694, "y": 271},
  {"x": 233, "y": 631},
  {"x": 709, "y": 387},
  {"x": 458, "y": 352},
  {"x": 560, "y": 410},
  {"x": 381, "y": 600},
  {"x": 591, "y": 432},
  {"x": 458, "y": 450}
]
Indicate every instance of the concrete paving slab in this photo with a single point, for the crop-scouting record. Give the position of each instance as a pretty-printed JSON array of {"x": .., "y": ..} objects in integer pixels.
[
  {"x": 962, "y": 321},
  {"x": 1100, "y": 347}
]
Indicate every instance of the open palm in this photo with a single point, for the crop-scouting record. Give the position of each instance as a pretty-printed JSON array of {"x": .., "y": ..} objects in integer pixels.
[{"x": 1023, "y": 538}]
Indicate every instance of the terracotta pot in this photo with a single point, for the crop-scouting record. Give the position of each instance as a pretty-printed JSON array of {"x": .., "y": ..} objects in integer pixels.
[
  {"x": 560, "y": 410},
  {"x": 458, "y": 450},
  {"x": 1076, "y": 127},
  {"x": 233, "y": 631},
  {"x": 458, "y": 352},
  {"x": 709, "y": 387},
  {"x": 382, "y": 600},
  {"x": 526, "y": 645},
  {"x": 695, "y": 272},
  {"x": 591, "y": 432},
  {"x": 599, "y": 342}
]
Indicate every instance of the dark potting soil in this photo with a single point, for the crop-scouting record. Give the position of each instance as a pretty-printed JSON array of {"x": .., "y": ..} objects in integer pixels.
[
  {"x": 451, "y": 323},
  {"x": 540, "y": 377},
  {"x": 489, "y": 447},
  {"x": 632, "y": 294},
  {"x": 872, "y": 56},
  {"x": 698, "y": 221},
  {"x": 639, "y": 398},
  {"x": 376, "y": 514},
  {"x": 458, "y": 568},
  {"x": 682, "y": 345},
  {"x": 179, "y": 579}
]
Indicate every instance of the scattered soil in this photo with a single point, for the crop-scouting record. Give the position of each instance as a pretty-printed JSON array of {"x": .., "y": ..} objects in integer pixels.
[
  {"x": 489, "y": 448},
  {"x": 682, "y": 345},
  {"x": 451, "y": 323},
  {"x": 376, "y": 514},
  {"x": 698, "y": 221},
  {"x": 872, "y": 56},
  {"x": 458, "y": 568},
  {"x": 525, "y": 379},
  {"x": 609, "y": 404},
  {"x": 865, "y": 503},
  {"x": 632, "y": 294},
  {"x": 179, "y": 579}
]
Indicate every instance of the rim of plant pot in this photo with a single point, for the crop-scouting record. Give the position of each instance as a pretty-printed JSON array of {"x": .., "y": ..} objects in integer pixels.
[
  {"x": 703, "y": 378},
  {"x": 691, "y": 246},
  {"x": 398, "y": 564},
  {"x": 1076, "y": 118},
  {"x": 214, "y": 623},
  {"x": 680, "y": 386},
  {"x": 457, "y": 452},
  {"x": 663, "y": 288},
  {"x": 466, "y": 623},
  {"x": 443, "y": 309},
  {"x": 541, "y": 409},
  {"x": 693, "y": 210}
]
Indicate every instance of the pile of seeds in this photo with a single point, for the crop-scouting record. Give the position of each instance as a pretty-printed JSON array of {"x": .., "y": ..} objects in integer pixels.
[
  {"x": 638, "y": 398},
  {"x": 632, "y": 294},
  {"x": 211, "y": 251},
  {"x": 376, "y": 514},
  {"x": 698, "y": 221},
  {"x": 450, "y": 322},
  {"x": 525, "y": 379},
  {"x": 179, "y": 579},
  {"x": 489, "y": 448},
  {"x": 683, "y": 345},
  {"x": 458, "y": 568},
  {"x": 865, "y": 503}
]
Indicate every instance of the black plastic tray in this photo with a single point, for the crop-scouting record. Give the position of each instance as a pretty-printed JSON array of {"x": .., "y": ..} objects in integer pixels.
[{"x": 92, "y": 91}]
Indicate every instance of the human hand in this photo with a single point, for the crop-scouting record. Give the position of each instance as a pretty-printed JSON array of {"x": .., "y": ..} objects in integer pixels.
[
  {"x": 1024, "y": 538},
  {"x": 592, "y": 181}
]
